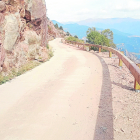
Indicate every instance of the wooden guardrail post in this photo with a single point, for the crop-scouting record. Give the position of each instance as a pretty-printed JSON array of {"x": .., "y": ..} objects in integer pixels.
[
  {"x": 136, "y": 84},
  {"x": 83, "y": 46},
  {"x": 99, "y": 49},
  {"x": 120, "y": 61},
  {"x": 110, "y": 54}
]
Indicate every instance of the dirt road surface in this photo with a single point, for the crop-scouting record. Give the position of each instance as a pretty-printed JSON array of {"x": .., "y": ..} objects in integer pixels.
[{"x": 58, "y": 100}]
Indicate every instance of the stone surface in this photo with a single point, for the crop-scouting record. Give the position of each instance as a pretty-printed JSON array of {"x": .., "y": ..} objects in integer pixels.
[
  {"x": 53, "y": 32},
  {"x": 23, "y": 32},
  {"x": 2, "y": 6},
  {"x": 11, "y": 31}
]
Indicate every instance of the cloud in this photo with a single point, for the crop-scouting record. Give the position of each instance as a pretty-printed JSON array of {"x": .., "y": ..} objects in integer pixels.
[
  {"x": 75, "y": 10},
  {"x": 129, "y": 6}
]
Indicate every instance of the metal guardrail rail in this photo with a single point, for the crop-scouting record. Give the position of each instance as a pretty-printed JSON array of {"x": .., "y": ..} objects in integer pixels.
[{"x": 133, "y": 68}]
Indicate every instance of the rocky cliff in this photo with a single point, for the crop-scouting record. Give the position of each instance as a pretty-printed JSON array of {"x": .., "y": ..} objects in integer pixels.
[
  {"x": 23, "y": 32},
  {"x": 53, "y": 32}
]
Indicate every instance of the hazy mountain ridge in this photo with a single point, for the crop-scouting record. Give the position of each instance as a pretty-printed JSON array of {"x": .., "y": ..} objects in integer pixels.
[
  {"x": 74, "y": 28},
  {"x": 131, "y": 41},
  {"x": 126, "y": 25}
]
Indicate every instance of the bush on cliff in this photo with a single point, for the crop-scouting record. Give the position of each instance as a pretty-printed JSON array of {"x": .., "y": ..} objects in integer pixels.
[
  {"x": 71, "y": 38},
  {"x": 61, "y": 28},
  {"x": 50, "y": 51}
]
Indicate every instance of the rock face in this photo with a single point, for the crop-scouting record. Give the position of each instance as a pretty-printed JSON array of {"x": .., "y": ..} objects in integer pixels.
[
  {"x": 2, "y": 6},
  {"x": 53, "y": 32},
  {"x": 23, "y": 32}
]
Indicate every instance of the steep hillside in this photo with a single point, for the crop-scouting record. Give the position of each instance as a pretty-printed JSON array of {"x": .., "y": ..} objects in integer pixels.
[
  {"x": 23, "y": 33},
  {"x": 74, "y": 29},
  {"x": 53, "y": 32}
]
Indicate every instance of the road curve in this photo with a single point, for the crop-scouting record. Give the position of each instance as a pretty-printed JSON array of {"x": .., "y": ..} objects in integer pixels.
[{"x": 57, "y": 100}]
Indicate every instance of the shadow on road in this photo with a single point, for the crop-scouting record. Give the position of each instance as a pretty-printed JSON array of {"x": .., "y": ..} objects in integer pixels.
[{"x": 104, "y": 123}]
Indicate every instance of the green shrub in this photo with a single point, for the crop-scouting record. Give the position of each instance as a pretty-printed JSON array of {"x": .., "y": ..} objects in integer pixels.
[
  {"x": 50, "y": 52},
  {"x": 71, "y": 38},
  {"x": 47, "y": 46},
  {"x": 49, "y": 27}
]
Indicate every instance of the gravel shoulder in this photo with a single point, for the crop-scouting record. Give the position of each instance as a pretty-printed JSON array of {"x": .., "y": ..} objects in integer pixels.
[{"x": 125, "y": 101}]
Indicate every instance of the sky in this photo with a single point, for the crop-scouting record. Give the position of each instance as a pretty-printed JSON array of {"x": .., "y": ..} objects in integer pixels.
[{"x": 76, "y": 10}]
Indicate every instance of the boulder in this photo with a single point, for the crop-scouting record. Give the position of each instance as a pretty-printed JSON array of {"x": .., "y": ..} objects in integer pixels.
[
  {"x": 38, "y": 9},
  {"x": 2, "y": 6},
  {"x": 11, "y": 31},
  {"x": 23, "y": 32}
]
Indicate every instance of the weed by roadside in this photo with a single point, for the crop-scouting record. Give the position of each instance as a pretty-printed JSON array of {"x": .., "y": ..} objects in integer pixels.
[
  {"x": 50, "y": 51},
  {"x": 28, "y": 66},
  {"x": 14, "y": 72}
]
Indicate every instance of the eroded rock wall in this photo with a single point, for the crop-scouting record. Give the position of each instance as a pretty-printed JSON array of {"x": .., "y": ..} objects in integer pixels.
[
  {"x": 53, "y": 32},
  {"x": 23, "y": 32}
]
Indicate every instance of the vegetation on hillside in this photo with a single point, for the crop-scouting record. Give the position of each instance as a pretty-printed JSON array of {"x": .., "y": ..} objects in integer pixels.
[
  {"x": 50, "y": 51},
  {"x": 23, "y": 69},
  {"x": 71, "y": 38},
  {"x": 68, "y": 34},
  {"x": 104, "y": 38},
  {"x": 76, "y": 36},
  {"x": 57, "y": 27},
  {"x": 14, "y": 72},
  {"x": 61, "y": 28}
]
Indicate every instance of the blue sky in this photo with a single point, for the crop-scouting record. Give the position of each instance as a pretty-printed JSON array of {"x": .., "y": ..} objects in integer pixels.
[{"x": 76, "y": 10}]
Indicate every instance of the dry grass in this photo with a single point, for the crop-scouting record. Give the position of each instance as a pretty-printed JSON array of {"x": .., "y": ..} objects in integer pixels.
[
  {"x": 50, "y": 51},
  {"x": 14, "y": 73}
]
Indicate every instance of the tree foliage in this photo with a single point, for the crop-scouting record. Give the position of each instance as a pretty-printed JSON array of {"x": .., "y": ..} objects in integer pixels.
[
  {"x": 71, "y": 38},
  {"x": 90, "y": 30},
  {"x": 68, "y": 34},
  {"x": 61, "y": 28},
  {"x": 76, "y": 36},
  {"x": 104, "y": 38},
  {"x": 56, "y": 25},
  {"x": 108, "y": 34}
]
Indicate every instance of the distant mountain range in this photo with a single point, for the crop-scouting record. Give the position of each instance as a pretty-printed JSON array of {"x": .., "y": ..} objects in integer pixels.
[
  {"x": 126, "y": 25},
  {"x": 74, "y": 28},
  {"x": 126, "y": 30}
]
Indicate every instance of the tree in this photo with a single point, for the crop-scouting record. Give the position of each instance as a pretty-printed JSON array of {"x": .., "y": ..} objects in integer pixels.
[
  {"x": 76, "y": 36},
  {"x": 61, "y": 28},
  {"x": 68, "y": 34},
  {"x": 56, "y": 25},
  {"x": 93, "y": 37},
  {"x": 104, "y": 38},
  {"x": 90, "y": 30},
  {"x": 109, "y": 34}
]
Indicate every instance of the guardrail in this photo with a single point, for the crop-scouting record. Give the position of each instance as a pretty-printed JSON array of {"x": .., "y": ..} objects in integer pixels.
[{"x": 133, "y": 68}]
